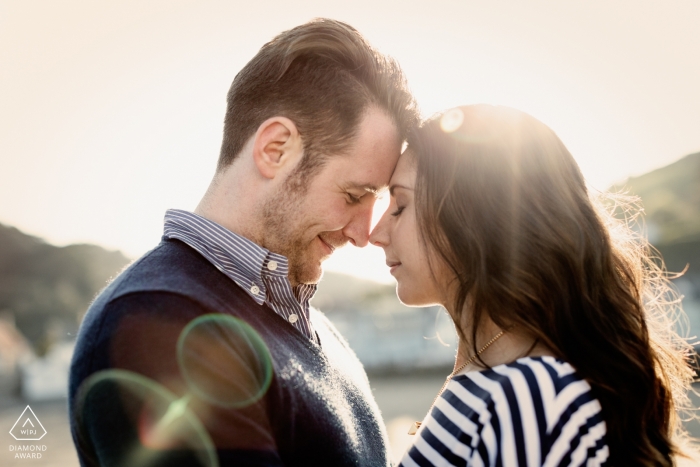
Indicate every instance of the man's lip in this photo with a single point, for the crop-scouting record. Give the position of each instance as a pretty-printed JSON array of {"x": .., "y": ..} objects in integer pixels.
[{"x": 330, "y": 247}]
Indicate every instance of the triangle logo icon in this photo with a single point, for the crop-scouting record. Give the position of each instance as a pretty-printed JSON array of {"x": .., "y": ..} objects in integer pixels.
[{"x": 28, "y": 427}]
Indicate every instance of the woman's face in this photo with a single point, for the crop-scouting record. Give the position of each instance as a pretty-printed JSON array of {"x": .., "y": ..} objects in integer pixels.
[{"x": 406, "y": 256}]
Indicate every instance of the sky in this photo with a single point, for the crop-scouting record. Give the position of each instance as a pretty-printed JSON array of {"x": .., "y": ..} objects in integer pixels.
[{"x": 111, "y": 112}]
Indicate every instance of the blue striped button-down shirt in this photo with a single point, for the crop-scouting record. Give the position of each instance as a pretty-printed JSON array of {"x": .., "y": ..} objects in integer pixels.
[{"x": 260, "y": 272}]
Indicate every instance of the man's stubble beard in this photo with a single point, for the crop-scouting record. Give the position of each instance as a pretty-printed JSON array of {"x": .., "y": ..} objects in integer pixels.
[{"x": 284, "y": 230}]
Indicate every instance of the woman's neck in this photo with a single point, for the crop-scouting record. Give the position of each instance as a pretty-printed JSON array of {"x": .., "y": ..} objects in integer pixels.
[{"x": 509, "y": 347}]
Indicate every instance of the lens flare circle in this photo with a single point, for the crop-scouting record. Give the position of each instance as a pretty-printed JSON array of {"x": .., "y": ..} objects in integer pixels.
[
  {"x": 224, "y": 361},
  {"x": 451, "y": 120},
  {"x": 132, "y": 420}
]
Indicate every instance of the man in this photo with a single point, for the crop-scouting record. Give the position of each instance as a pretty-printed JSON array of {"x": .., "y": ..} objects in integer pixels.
[{"x": 205, "y": 350}]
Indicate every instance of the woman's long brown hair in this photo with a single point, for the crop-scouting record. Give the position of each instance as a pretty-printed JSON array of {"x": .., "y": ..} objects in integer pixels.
[{"x": 503, "y": 202}]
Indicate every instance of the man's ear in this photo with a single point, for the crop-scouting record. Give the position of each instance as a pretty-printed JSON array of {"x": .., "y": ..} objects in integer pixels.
[{"x": 277, "y": 144}]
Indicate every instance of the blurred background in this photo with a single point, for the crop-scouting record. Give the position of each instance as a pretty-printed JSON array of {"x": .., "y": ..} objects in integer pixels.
[{"x": 111, "y": 113}]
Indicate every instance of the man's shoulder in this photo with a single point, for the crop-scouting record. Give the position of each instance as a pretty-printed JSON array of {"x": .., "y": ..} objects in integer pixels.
[
  {"x": 161, "y": 269},
  {"x": 170, "y": 271},
  {"x": 171, "y": 267}
]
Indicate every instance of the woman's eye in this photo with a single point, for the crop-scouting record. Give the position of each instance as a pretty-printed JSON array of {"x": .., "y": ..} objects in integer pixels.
[{"x": 399, "y": 210}]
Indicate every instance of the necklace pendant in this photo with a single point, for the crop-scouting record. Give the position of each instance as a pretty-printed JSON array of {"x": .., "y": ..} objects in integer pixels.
[{"x": 414, "y": 428}]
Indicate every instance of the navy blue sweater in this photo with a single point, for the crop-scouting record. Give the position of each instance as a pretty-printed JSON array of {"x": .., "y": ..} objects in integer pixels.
[{"x": 317, "y": 410}]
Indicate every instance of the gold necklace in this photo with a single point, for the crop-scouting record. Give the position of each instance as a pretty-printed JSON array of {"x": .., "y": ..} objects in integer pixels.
[{"x": 414, "y": 428}]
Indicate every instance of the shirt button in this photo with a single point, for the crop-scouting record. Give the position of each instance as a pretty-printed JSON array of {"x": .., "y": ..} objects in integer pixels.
[
  {"x": 293, "y": 318},
  {"x": 255, "y": 290},
  {"x": 272, "y": 265}
]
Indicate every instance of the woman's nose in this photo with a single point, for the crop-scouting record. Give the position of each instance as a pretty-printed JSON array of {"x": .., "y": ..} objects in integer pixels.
[{"x": 380, "y": 235}]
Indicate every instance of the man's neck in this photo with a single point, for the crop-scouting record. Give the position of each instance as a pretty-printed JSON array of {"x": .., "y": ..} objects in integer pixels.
[{"x": 231, "y": 206}]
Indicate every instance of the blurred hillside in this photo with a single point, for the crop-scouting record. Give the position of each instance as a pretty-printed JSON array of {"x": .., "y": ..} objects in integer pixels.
[
  {"x": 671, "y": 199},
  {"x": 45, "y": 289}
]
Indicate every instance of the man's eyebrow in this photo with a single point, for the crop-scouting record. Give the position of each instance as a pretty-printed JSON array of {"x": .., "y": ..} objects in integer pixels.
[
  {"x": 367, "y": 187},
  {"x": 395, "y": 186}
]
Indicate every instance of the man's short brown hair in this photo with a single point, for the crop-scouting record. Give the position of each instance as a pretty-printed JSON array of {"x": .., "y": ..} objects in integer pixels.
[{"x": 322, "y": 75}]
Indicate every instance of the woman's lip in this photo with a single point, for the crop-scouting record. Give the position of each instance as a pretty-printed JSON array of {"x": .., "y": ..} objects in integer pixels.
[{"x": 393, "y": 268}]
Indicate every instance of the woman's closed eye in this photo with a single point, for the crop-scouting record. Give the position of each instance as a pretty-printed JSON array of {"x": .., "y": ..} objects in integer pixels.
[{"x": 399, "y": 210}]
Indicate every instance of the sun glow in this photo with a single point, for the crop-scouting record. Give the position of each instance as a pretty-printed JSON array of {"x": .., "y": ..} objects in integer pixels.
[{"x": 113, "y": 114}]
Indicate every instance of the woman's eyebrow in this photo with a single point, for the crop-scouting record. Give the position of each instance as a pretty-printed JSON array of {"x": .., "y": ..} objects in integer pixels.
[{"x": 395, "y": 186}]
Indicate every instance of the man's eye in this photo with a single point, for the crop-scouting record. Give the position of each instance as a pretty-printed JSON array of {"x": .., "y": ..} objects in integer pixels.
[
  {"x": 398, "y": 211},
  {"x": 352, "y": 199}
]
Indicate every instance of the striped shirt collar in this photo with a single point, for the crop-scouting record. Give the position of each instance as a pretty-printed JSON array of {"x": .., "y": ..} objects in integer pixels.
[{"x": 258, "y": 271}]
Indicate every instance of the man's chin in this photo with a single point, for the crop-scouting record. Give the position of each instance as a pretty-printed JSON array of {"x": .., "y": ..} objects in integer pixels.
[
  {"x": 314, "y": 278},
  {"x": 308, "y": 275}
]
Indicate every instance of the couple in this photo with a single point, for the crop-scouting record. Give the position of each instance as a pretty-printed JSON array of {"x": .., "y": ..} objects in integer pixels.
[{"x": 208, "y": 341}]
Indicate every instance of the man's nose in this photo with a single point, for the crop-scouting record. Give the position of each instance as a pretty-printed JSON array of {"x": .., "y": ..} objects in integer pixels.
[{"x": 357, "y": 230}]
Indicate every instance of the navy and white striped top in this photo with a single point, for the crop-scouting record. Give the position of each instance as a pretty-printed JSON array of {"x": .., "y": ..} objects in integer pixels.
[
  {"x": 535, "y": 411},
  {"x": 258, "y": 271}
]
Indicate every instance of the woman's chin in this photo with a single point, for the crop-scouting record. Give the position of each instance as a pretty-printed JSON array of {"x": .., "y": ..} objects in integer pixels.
[{"x": 413, "y": 296}]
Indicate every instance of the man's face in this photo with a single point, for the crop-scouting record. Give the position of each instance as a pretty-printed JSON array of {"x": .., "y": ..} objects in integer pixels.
[{"x": 307, "y": 224}]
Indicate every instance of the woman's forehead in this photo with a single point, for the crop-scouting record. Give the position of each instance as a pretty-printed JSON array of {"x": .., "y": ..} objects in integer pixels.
[{"x": 405, "y": 171}]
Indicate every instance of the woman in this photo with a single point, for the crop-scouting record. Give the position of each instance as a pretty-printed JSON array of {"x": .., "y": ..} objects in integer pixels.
[{"x": 566, "y": 355}]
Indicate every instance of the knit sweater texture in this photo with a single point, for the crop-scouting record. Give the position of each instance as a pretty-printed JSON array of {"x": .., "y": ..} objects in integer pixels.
[{"x": 318, "y": 409}]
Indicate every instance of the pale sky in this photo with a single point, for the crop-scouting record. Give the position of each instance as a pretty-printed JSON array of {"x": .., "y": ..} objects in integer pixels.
[{"x": 111, "y": 112}]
